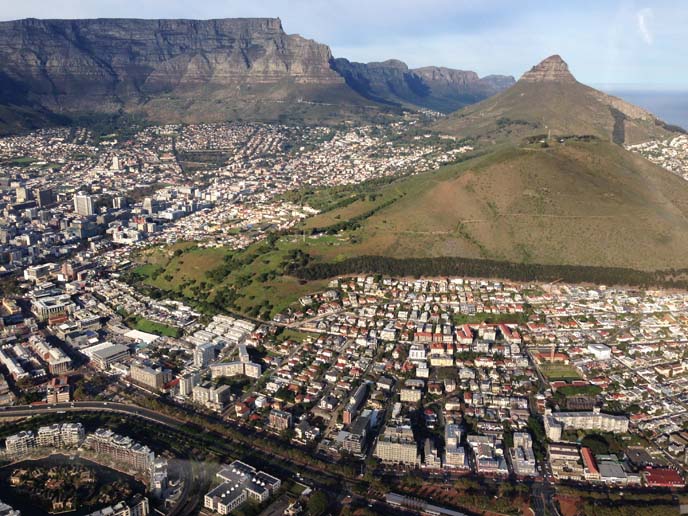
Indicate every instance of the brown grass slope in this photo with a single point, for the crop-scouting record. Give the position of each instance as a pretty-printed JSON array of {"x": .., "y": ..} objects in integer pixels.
[
  {"x": 575, "y": 203},
  {"x": 549, "y": 99}
]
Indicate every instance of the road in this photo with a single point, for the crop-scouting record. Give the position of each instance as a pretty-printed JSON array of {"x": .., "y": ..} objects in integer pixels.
[
  {"x": 81, "y": 406},
  {"x": 284, "y": 467},
  {"x": 183, "y": 505}
]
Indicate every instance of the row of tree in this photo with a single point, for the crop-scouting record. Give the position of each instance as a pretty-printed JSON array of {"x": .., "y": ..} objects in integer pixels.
[{"x": 478, "y": 268}]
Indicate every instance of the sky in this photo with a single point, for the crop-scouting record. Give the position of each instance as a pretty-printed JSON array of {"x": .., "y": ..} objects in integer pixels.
[{"x": 607, "y": 43}]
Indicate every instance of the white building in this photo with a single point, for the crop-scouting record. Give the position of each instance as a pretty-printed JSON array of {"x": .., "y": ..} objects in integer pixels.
[{"x": 84, "y": 204}]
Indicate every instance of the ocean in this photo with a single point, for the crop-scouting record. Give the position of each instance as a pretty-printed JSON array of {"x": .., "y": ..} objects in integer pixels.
[{"x": 670, "y": 106}]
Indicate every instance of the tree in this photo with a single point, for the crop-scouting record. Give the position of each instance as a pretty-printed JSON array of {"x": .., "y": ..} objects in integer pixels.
[{"x": 318, "y": 503}]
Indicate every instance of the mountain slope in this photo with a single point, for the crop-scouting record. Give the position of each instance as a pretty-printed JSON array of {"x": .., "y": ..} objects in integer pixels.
[
  {"x": 437, "y": 88},
  {"x": 549, "y": 100},
  {"x": 579, "y": 203},
  {"x": 169, "y": 70},
  {"x": 204, "y": 71}
]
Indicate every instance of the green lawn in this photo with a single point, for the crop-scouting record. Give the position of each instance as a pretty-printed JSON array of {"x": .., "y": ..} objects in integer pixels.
[
  {"x": 156, "y": 328},
  {"x": 251, "y": 281},
  {"x": 559, "y": 372}
]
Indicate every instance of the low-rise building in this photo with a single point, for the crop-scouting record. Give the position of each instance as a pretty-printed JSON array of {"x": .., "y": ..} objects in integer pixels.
[{"x": 240, "y": 483}]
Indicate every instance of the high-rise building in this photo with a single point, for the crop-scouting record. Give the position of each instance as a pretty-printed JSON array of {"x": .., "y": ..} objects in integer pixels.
[
  {"x": 119, "y": 202},
  {"x": 23, "y": 194},
  {"x": 187, "y": 381},
  {"x": 522, "y": 455},
  {"x": 44, "y": 196},
  {"x": 454, "y": 451},
  {"x": 150, "y": 205},
  {"x": 83, "y": 204},
  {"x": 204, "y": 354}
]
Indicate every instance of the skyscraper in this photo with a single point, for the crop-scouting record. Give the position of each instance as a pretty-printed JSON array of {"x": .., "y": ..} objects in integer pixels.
[
  {"x": 44, "y": 197},
  {"x": 83, "y": 204}
]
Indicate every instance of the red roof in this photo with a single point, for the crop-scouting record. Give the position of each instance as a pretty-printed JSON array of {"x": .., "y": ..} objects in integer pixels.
[
  {"x": 663, "y": 477},
  {"x": 589, "y": 460}
]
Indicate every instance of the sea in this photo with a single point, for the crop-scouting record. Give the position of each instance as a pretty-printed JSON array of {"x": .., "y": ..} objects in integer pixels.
[{"x": 670, "y": 106}]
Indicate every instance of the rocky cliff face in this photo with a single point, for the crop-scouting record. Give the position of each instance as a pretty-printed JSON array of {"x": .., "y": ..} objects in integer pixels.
[
  {"x": 203, "y": 71},
  {"x": 159, "y": 67},
  {"x": 551, "y": 69},
  {"x": 438, "y": 88}
]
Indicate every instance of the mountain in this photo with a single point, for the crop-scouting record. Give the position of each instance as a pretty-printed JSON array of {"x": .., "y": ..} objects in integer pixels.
[
  {"x": 548, "y": 99},
  {"x": 589, "y": 203},
  {"x": 437, "y": 88},
  {"x": 203, "y": 71},
  {"x": 167, "y": 70},
  {"x": 579, "y": 199}
]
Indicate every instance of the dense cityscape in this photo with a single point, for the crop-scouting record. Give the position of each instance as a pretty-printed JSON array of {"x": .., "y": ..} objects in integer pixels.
[
  {"x": 456, "y": 376},
  {"x": 243, "y": 273}
]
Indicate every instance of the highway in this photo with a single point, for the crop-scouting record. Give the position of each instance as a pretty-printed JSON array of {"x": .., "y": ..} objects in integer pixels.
[
  {"x": 543, "y": 494},
  {"x": 98, "y": 406}
]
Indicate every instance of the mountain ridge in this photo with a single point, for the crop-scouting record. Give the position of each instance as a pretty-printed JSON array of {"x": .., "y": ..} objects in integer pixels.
[
  {"x": 432, "y": 87},
  {"x": 181, "y": 70}
]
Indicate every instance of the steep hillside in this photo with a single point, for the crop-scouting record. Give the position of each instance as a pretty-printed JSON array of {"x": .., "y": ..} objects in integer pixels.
[
  {"x": 204, "y": 71},
  {"x": 581, "y": 203},
  {"x": 437, "y": 88},
  {"x": 169, "y": 70},
  {"x": 548, "y": 100}
]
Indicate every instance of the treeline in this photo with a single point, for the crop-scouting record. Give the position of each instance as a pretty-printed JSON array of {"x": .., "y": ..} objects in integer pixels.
[{"x": 476, "y": 268}]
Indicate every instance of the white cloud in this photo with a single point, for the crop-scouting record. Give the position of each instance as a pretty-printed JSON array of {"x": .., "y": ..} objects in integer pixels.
[{"x": 643, "y": 17}]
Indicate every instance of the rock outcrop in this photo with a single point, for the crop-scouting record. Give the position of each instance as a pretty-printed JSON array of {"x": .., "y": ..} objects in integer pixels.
[
  {"x": 548, "y": 100},
  {"x": 438, "y": 88},
  {"x": 551, "y": 69}
]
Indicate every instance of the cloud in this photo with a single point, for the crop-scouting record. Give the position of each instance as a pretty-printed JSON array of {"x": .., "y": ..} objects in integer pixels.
[{"x": 643, "y": 17}]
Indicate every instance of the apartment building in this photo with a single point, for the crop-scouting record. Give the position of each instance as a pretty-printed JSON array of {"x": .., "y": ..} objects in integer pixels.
[
  {"x": 396, "y": 445},
  {"x": 240, "y": 483},
  {"x": 279, "y": 420},
  {"x": 557, "y": 422},
  {"x": 151, "y": 376},
  {"x": 522, "y": 455}
]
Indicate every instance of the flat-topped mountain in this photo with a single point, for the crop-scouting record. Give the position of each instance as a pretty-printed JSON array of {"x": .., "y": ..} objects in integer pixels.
[
  {"x": 167, "y": 70},
  {"x": 548, "y": 100},
  {"x": 202, "y": 71},
  {"x": 432, "y": 87}
]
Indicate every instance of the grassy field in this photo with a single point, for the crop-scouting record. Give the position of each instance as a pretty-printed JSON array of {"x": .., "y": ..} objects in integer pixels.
[
  {"x": 251, "y": 281},
  {"x": 156, "y": 328},
  {"x": 574, "y": 203},
  {"x": 558, "y": 371}
]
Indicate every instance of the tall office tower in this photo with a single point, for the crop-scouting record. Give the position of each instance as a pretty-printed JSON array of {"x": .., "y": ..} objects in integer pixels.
[
  {"x": 83, "y": 204},
  {"x": 44, "y": 197},
  {"x": 23, "y": 194},
  {"x": 119, "y": 202}
]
